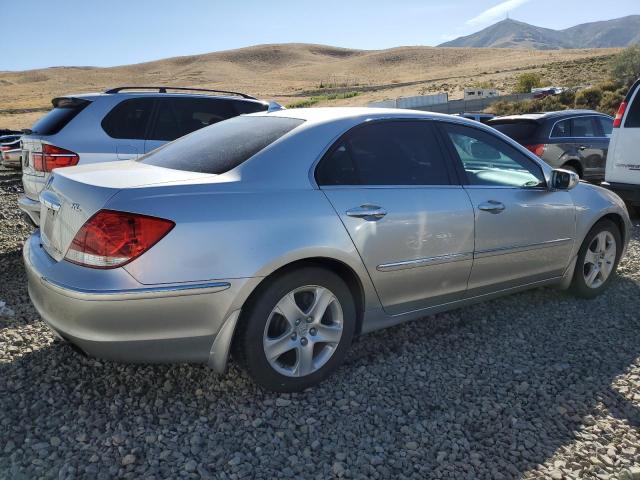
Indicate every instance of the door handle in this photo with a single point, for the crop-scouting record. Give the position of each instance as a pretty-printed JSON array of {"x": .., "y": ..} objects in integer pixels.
[
  {"x": 582, "y": 147},
  {"x": 367, "y": 211},
  {"x": 492, "y": 206}
]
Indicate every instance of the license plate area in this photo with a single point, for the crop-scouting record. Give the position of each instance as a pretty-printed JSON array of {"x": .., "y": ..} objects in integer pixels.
[{"x": 48, "y": 225}]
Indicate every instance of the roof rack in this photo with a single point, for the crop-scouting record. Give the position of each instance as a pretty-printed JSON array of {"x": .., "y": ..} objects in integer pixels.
[{"x": 164, "y": 90}]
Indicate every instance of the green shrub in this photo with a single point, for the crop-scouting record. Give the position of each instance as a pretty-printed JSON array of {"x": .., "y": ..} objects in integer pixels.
[
  {"x": 567, "y": 98},
  {"x": 625, "y": 66},
  {"x": 610, "y": 102},
  {"x": 589, "y": 98},
  {"x": 526, "y": 82},
  {"x": 309, "y": 102}
]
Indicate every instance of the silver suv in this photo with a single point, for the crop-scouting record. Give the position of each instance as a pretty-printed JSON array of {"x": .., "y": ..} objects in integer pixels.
[{"x": 119, "y": 124}]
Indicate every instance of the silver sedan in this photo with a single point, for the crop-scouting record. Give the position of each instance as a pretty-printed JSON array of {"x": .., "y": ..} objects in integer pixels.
[{"x": 281, "y": 236}]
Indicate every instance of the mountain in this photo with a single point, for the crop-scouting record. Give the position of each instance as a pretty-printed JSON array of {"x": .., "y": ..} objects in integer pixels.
[
  {"x": 290, "y": 73},
  {"x": 619, "y": 32}
]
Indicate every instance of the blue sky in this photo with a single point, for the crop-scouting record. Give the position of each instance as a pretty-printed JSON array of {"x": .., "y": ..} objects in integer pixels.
[{"x": 43, "y": 33}]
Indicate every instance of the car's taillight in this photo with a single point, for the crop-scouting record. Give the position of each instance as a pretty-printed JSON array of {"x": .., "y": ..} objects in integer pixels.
[
  {"x": 620, "y": 113},
  {"x": 53, "y": 157},
  {"x": 537, "y": 148},
  {"x": 111, "y": 239},
  {"x": 4, "y": 148}
]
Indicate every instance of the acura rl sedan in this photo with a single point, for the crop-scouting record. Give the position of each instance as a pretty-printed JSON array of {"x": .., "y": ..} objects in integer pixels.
[{"x": 279, "y": 237}]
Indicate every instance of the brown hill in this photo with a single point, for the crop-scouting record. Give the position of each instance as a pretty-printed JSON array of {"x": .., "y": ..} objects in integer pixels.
[{"x": 293, "y": 72}]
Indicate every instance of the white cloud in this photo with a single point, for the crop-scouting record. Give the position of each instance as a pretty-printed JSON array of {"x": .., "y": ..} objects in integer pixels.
[{"x": 496, "y": 12}]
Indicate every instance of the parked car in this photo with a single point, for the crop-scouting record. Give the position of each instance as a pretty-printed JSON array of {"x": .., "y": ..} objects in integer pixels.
[
  {"x": 10, "y": 151},
  {"x": 576, "y": 140},
  {"x": 283, "y": 235},
  {"x": 119, "y": 124},
  {"x": 623, "y": 167},
  {"x": 477, "y": 116}
]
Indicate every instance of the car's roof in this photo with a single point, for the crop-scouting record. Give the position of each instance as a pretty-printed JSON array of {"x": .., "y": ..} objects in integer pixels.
[
  {"x": 138, "y": 94},
  {"x": 540, "y": 116},
  {"x": 325, "y": 114}
]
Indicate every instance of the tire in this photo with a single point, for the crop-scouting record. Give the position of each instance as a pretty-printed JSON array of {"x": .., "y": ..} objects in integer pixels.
[
  {"x": 589, "y": 252},
  {"x": 263, "y": 328},
  {"x": 633, "y": 210},
  {"x": 571, "y": 168}
]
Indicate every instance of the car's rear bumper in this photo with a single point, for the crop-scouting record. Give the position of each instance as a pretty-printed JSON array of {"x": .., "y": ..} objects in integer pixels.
[
  {"x": 30, "y": 207},
  {"x": 628, "y": 192},
  {"x": 133, "y": 323}
]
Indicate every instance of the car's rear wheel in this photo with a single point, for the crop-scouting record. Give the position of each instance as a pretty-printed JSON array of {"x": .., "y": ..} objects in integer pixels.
[
  {"x": 297, "y": 330},
  {"x": 571, "y": 168},
  {"x": 597, "y": 259}
]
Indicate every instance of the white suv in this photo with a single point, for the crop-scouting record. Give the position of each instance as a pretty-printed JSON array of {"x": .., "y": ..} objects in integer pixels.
[
  {"x": 622, "y": 173},
  {"x": 120, "y": 124}
]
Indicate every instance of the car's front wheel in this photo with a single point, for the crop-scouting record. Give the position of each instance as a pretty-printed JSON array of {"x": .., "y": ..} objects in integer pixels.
[
  {"x": 297, "y": 329},
  {"x": 597, "y": 259}
]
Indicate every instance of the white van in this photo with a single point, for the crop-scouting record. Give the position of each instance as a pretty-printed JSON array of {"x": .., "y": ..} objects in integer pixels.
[{"x": 622, "y": 173}]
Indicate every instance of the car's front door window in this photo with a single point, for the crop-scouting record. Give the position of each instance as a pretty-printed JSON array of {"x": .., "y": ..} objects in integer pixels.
[{"x": 488, "y": 160}]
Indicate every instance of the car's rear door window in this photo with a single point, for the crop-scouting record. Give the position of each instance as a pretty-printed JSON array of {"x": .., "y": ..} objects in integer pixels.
[
  {"x": 65, "y": 109},
  {"x": 222, "y": 146},
  {"x": 177, "y": 117},
  {"x": 385, "y": 153},
  {"x": 561, "y": 129},
  {"x": 583, "y": 127},
  {"x": 487, "y": 160},
  {"x": 129, "y": 119},
  {"x": 633, "y": 112}
]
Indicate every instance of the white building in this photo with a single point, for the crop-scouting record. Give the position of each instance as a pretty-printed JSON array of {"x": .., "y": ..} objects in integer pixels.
[{"x": 474, "y": 93}]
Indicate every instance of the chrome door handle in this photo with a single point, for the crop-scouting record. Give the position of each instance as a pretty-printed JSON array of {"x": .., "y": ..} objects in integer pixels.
[
  {"x": 492, "y": 206},
  {"x": 582, "y": 147},
  {"x": 368, "y": 212}
]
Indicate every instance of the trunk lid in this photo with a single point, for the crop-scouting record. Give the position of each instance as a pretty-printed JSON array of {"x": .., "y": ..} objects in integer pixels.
[{"x": 73, "y": 195}]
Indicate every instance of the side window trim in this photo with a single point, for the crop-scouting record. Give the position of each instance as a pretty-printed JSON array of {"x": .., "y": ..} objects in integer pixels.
[
  {"x": 598, "y": 132},
  {"x": 460, "y": 167},
  {"x": 454, "y": 178},
  {"x": 151, "y": 124},
  {"x": 456, "y": 171}
]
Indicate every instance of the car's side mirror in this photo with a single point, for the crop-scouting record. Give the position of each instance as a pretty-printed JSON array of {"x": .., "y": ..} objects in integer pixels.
[{"x": 563, "y": 179}]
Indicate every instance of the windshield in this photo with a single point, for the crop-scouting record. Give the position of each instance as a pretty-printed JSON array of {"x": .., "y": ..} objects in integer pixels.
[{"x": 223, "y": 146}]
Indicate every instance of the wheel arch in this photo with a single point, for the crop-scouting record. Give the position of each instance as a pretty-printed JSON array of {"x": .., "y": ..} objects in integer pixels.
[
  {"x": 575, "y": 163},
  {"x": 344, "y": 271},
  {"x": 618, "y": 221}
]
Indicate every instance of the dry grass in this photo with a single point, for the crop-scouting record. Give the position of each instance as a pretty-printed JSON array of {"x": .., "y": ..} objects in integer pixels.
[{"x": 290, "y": 73}]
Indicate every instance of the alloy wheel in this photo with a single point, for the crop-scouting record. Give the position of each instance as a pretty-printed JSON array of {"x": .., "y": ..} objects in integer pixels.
[
  {"x": 303, "y": 331},
  {"x": 599, "y": 259}
]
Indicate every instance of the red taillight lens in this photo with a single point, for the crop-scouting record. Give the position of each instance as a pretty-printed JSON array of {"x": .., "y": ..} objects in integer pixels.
[
  {"x": 53, "y": 157},
  {"x": 537, "y": 148},
  {"x": 618, "y": 120},
  {"x": 111, "y": 239}
]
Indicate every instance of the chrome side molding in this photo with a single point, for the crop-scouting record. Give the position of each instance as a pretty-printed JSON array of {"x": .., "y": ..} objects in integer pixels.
[{"x": 424, "y": 262}]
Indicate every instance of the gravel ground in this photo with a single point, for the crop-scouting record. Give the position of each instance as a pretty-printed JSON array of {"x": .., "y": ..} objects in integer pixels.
[{"x": 535, "y": 385}]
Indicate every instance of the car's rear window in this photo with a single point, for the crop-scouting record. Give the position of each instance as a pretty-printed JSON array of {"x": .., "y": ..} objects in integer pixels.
[
  {"x": 521, "y": 132},
  {"x": 65, "y": 109},
  {"x": 633, "y": 116},
  {"x": 223, "y": 146}
]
